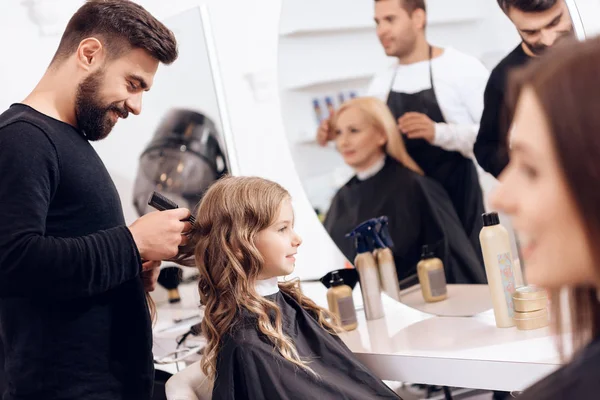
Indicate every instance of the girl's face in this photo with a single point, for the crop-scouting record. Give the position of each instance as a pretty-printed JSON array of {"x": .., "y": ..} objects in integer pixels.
[
  {"x": 278, "y": 244},
  {"x": 534, "y": 192},
  {"x": 359, "y": 143}
]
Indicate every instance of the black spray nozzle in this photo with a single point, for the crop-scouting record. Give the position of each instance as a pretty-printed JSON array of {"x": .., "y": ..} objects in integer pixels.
[
  {"x": 162, "y": 203},
  {"x": 427, "y": 251},
  {"x": 382, "y": 232},
  {"x": 348, "y": 276},
  {"x": 365, "y": 236},
  {"x": 336, "y": 279}
]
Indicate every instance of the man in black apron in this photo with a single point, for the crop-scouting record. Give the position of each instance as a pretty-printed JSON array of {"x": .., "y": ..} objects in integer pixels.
[
  {"x": 441, "y": 148},
  {"x": 456, "y": 173}
]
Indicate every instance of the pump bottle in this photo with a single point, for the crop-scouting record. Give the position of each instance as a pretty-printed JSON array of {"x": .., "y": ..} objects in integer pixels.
[
  {"x": 432, "y": 276},
  {"x": 385, "y": 260},
  {"x": 367, "y": 270},
  {"x": 340, "y": 302},
  {"x": 497, "y": 257}
]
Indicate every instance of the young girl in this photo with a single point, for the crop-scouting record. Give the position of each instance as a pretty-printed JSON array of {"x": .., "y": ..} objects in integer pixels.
[{"x": 265, "y": 339}]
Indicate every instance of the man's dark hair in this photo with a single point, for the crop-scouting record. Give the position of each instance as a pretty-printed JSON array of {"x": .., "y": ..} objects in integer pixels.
[
  {"x": 411, "y": 5},
  {"x": 527, "y": 5},
  {"x": 121, "y": 25}
]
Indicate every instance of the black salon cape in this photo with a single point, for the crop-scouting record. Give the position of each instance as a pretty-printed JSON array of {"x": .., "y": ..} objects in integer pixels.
[
  {"x": 579, "y": 379},
  {"x": 420, "y": 213},
  {"x": 249, "y": 367}
]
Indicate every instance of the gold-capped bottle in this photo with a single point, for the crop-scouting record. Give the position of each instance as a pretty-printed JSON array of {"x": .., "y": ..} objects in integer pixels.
[
  {"x": 340, "y": 302},
  {"x": 432, "y": 276}
]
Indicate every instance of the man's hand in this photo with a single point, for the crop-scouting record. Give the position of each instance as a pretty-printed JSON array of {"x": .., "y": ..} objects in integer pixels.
[
  {"x": 324, "y": 133},
  {"x": 417, "y": 126},
  {"x": 159, "y": 234},
  {"x": 150, "y": 273}
]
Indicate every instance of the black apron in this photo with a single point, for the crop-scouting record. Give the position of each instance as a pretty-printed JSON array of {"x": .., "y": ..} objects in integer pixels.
[{"x": 451, "y": 169}]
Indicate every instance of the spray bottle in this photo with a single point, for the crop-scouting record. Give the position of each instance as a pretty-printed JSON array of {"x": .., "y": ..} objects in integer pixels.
[
  {"x": 367, "y": 269},
  {"x": 385, "y": 259}
]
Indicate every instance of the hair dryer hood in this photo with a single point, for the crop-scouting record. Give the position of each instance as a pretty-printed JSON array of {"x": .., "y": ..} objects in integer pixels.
[{"x": 183, "y": 159}]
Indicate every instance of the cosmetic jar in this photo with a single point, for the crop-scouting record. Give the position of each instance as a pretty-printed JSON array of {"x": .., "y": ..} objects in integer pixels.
[
  {"x": 531, "y": 308},
  {"x": 530, "y": 298}
]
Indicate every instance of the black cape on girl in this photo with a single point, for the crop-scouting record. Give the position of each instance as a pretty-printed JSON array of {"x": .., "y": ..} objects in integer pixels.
[
  {"x": 249, "y": 367},
  {"x": 420, "y": 213}
]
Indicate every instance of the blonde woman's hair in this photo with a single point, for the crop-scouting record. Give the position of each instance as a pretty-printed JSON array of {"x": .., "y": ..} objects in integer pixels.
[
  {"x": 379, "y": 116},
  {"x": 222, "y": 246}
]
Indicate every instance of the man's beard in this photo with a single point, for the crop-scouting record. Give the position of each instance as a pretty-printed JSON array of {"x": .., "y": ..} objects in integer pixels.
[
  {"x": 538, "y": 49},
  {"x": 93, "y": 118}
]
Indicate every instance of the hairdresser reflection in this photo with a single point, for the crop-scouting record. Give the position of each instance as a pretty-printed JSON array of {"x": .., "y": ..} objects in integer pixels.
[
  {"x": 436, "y": 95},
  {"x": 541, "y": 24},
  {"x": 389, "y": 182},
  {"x": 554, "y": 153},
  {"x": 74, "y": 318}
]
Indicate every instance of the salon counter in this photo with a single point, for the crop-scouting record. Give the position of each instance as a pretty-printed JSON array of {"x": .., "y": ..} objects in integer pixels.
[{"x": 408, "y": 345}]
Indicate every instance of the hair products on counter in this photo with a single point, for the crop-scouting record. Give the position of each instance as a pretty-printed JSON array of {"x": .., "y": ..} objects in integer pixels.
[
  {"x": 385, "y": 260},
  {"x": 497, "y": 257},
  {"x": 432, "y": 277},
  {"x": 340, "y": 302},
  {"x": 367, "y": 270}
]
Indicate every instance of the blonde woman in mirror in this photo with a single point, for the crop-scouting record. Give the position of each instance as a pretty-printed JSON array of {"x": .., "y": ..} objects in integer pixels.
[
  {"x": 389, "y": 182},
  {"x": 265, "y": 339}
]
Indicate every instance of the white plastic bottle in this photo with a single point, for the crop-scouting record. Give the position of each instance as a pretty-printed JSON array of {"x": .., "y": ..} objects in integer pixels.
[{"x": 497, "y": 256}]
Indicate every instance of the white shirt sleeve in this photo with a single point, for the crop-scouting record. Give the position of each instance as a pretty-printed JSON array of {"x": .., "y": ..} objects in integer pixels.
[
  {"x": 379, "y": 86},
  {"x": 456, "y": 137},
  {"x": 470, "y": 84},
  {"x": 189, "y": 384}
]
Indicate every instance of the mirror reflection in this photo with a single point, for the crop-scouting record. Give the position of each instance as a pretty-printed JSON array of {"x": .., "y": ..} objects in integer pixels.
[{"x": 397, "y": 108}]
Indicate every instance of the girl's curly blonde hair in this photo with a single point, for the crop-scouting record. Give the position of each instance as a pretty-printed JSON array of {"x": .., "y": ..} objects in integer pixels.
[{"x": 222, "y": 246}]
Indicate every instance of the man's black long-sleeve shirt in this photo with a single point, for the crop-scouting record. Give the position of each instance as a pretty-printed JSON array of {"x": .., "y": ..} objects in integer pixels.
[
  {"x": 491, "y": 149},
  {"x": 74, "y": 320}
]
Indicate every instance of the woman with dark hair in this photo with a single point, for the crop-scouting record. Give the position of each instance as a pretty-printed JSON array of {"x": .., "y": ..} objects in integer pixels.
[{"x": 550, "y": 189}]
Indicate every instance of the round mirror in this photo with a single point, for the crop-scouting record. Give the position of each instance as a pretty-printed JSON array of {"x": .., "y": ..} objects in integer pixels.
[{"x": 383, "y": 103}]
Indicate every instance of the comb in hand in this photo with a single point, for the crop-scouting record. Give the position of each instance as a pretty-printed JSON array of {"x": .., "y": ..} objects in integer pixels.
[{"x": 162, "y": 203}]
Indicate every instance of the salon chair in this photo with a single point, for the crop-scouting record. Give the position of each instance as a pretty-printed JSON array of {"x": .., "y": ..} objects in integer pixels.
[
  {"x": 189, "y": 384},
  {"x": 160, "y": 380}
]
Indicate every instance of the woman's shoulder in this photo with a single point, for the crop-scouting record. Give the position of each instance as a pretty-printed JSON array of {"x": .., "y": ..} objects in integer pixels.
[
  {"x": 243, "y": 331},
  {"x": 403, "y": 176},
  {"x": 577, "y": 380}
]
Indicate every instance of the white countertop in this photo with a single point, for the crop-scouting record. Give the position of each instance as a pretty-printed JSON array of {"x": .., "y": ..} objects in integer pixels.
[{"x": 408, "y": 345}]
